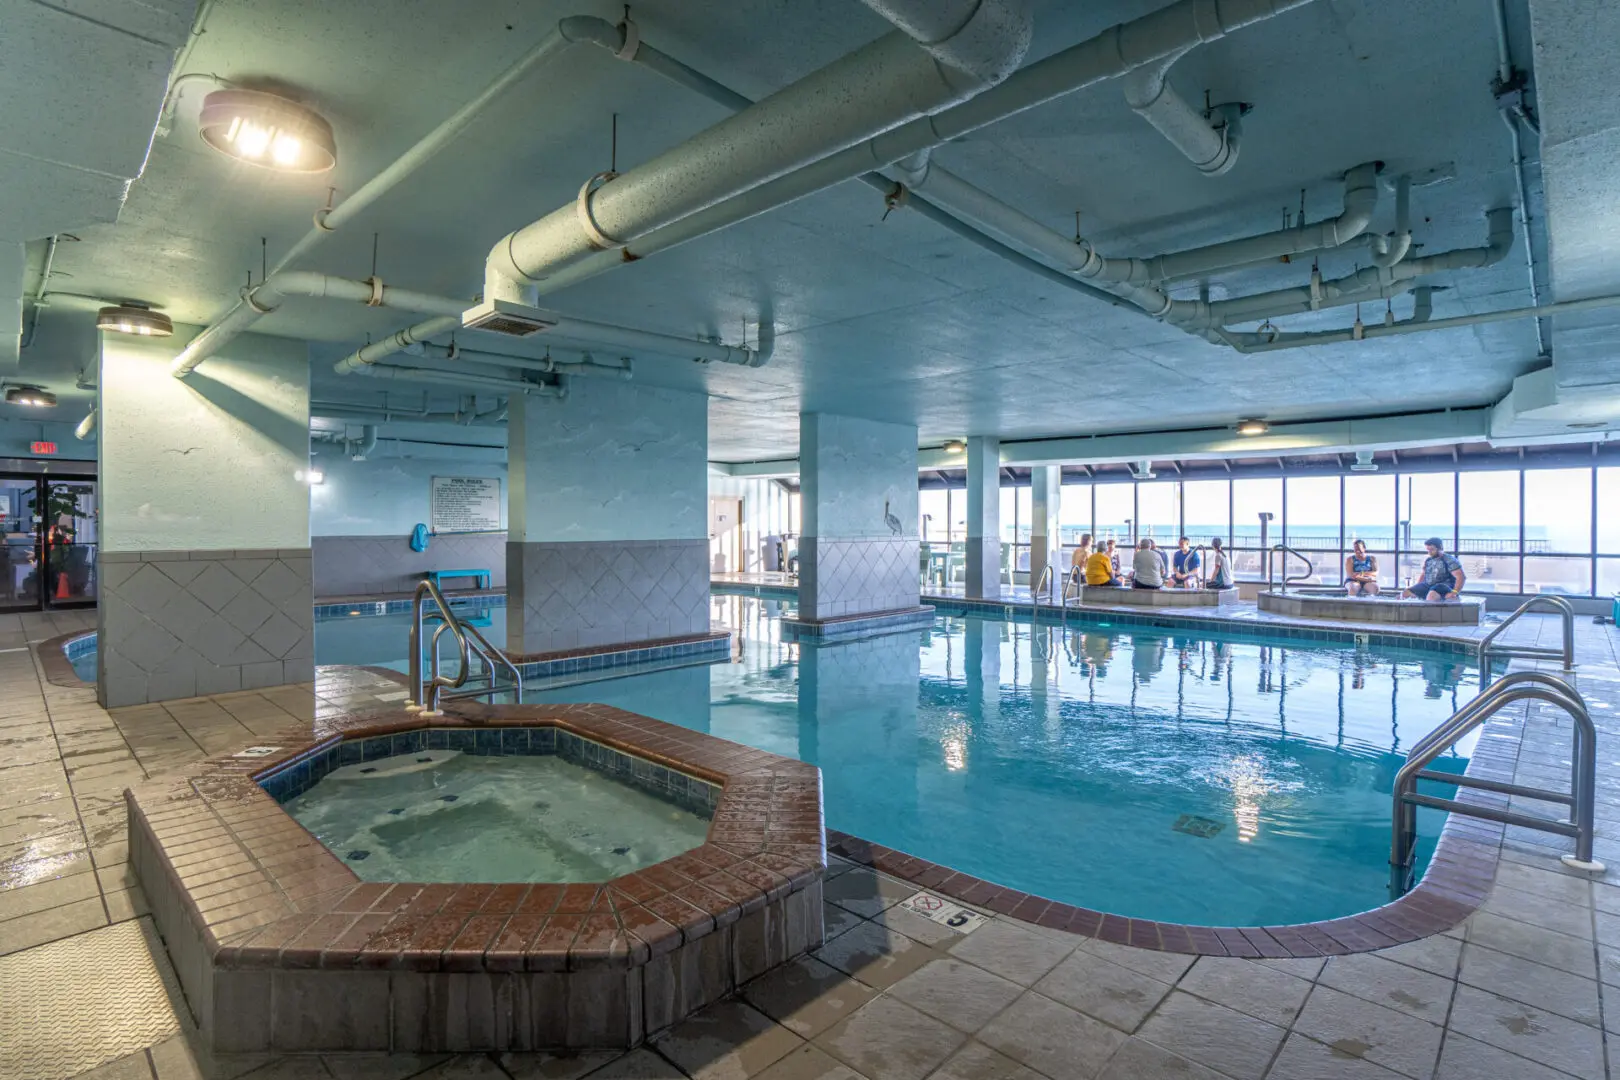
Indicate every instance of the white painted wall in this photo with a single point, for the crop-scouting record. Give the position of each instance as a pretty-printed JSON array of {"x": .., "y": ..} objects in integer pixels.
[
  {"x": 613, "y": 461},
  {"x": 851, "y": 469},
  {"x": 385, "y": 495},
  {"x": 209, "y": 462},
  {"x": 16, "y": 435},
  {"x": 767, "y": 511}
]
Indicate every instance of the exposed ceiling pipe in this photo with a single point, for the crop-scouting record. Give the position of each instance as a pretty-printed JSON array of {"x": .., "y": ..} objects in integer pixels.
[
  {"x": 1107, "y": 55},
  {"x": 588, "y": 367},
  {"x": 367, "y": 444},
  {"x": 1264, "y": 339},
  {"x": 87, "y": 426},
  {"x": 1389, "y": 250},
  {"x": 866, "y": 92},
  {"x": 39, "y": 291},
  {"x": 343, "y": 411},
  {"x": 1213, "y": 149},
  {"x": 463, "y": 379},
  {"x": 329, "y": 219}
]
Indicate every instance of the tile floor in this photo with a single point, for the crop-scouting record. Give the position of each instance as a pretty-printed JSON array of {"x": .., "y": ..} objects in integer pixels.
[{"x": 1522, "y": 990}]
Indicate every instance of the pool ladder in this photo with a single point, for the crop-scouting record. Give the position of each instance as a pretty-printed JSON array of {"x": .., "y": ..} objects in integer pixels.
[
  {"x": 1519, "y": 686},
  {"x": 1565, "y": 653},
  {"x": 427, "y": 694},
  {"x": 1310, "y": 567}
]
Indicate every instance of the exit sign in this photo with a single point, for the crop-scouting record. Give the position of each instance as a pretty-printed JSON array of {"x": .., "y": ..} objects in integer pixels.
[{"x": 43, "y": 448}]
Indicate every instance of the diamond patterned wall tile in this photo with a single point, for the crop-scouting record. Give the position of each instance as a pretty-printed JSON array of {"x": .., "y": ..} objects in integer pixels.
[
  {"x": 575, "y": 595},
  {"x": 204, "y": 622},
  {"x": 851, "y": 577},
  {"x": 377, "y": 565}
]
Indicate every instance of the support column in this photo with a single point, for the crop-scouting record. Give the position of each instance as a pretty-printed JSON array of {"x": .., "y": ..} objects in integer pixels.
[
  {"x": 984, "y": 517},
  {"x": 204, "y": 567},
  {"x": 607, "y": 528},
  {"x": 1046, "y": 538},
  {"x": 858, "y": 552}
]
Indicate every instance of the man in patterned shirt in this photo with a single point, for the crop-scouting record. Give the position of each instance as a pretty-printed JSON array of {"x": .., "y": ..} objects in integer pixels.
[{"x": 1442, "y": 577}]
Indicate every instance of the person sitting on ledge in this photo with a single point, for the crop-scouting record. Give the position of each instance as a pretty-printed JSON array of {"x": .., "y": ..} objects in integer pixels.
[
  {"x": 1221, "y": 575},
  {"x": 1185, "y": 566},
  {"x": 1148, "y": 572},
  {"x": 1100, "y": 569},
  {"x": 1442, "y": 578},
  {"x": 1361, "y": 572},
  {"x": 1077, "y": 565}
]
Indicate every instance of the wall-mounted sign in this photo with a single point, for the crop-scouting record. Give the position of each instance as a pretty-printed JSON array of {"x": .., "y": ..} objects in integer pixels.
[
  {"x": 466, "y": 504},
  {"x": 42, "y": 447}
]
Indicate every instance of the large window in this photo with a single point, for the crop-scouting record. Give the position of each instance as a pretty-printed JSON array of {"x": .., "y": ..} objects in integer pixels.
[
  {"x": 1426, "y": 506},
  {"x": 1488, "y": 529},
  {"x": 1558, "y": 525},
  {"x": 934, "y": 515},
  {"x": 1369, "y": 516},
  {"x": 1116, "y": 512},
  {"x": 1250, "y": 499},
  {"x": 1159, "y": 504},
  {"x": 1207, "y": 510}
]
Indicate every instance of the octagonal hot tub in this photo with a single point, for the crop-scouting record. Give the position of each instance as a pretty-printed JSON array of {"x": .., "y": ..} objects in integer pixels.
[{"x": 524, "y": 877}]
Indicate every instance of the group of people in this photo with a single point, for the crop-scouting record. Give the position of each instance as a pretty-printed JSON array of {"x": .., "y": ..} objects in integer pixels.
[
  {"x": 1150, "y": 569},
  {"x": 1441, "y": 578}
]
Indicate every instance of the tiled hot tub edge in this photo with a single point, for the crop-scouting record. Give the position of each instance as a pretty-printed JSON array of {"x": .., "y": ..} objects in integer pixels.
[{"x": 280, "y": 947}]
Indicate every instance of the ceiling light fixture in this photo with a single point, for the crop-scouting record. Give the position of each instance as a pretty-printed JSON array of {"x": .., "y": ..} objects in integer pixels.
[
  {"x": 955, "y": 446},
  {"x": 1253, "y": 427},
  {"x": 31, "y": 396},
  {"x": 132, "y": 317},
  {"x": 267, "y": 130}
]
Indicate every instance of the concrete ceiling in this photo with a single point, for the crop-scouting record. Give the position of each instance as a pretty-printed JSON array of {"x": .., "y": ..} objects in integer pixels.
[{"x": 891, "y": 319}]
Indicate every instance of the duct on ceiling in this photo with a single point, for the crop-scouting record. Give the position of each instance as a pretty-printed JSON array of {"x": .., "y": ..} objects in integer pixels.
[{"x": 1213, "y": 149}]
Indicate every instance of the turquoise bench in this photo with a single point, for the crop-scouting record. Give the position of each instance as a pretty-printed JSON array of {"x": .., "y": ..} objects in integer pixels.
[{"x": 438, "y": 576}]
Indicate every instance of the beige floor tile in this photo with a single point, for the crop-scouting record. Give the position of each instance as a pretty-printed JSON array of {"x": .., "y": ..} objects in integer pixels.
[
  {"x": 133, "y": 1067},
  {"x": 1011, "y": 951},
  {"x": 1544, "y": 911},
  {"x": 1103, "y": 990},
  {"x": 889, "y": 1040},
  {"x": 1303, "y": 967},
  {"x": 976, "y": 1061},
  {"x": 810, "y": 1063},
  {"x": 1261, "y": 992},
  {"x": 182, "y": 1057},
  {"x": 1394, "y": 986},
  {"x": 1051, "y": 1038},
  {"x": 126, "y": 904},
  {"x": 727, "y": 1041},
  {"x": 1566, "y": 888},
  {"x": 1437, "y": 955},
  {"x": 917, "y": 928},
  {"x": 389, "y": 1066},
  {"x": 836, "y": 920},
  {"x": 1359, "y": 1028},
  {"x": 1533, "y": 943},
  {"x": 1536, "y": 985},
  {"x": 1139, "y": 1059},
  {"x": 46, "y": 895},
  {"x": 1306, "y": 1059},
  {"x": 1164, "y": 966},
  {"x": 51, "y": 924},
  {"x": 875, "y": 955},
  {"x": 964, "y": 996},
  {"x": 1530, "y": 1033},
  {"x": 1213, "y": 1035},
  {"x": 865, "y": 892},
  {"x": 456, "y": 1067},
  {"x": 640, "y": 1064},
  {"x": 807, "y": 996},
  {"x": 1462, "y": 1058}
]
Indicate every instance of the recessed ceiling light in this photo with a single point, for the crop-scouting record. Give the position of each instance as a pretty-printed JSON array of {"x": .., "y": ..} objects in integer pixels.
[
  {"x": 1252, "y": 427},
  {"x": 267, "y": 130},
  {"x": 32, "y": 396},
  {"x": 955, "y": 446},
  {"x": 134, "y": 318}
]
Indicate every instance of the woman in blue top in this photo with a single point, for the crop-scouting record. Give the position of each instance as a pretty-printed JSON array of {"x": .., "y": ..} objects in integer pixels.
[{"x": 1361, "y": 572}]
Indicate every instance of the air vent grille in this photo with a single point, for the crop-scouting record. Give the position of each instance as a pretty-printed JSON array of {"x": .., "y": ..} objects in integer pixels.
[
  {"x": 506, "y": 324},
  {"x": 508, "y": 319}
]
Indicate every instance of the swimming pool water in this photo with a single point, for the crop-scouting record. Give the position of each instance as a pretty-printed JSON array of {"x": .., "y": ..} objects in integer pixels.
[{"x": 461, "y": 817}]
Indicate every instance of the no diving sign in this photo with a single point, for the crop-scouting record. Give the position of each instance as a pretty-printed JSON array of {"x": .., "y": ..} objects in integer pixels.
[{"x": 940, "y": 910}]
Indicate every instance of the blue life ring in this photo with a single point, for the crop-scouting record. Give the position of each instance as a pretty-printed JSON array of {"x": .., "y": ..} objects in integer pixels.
[{"x": 419, "y": 538}]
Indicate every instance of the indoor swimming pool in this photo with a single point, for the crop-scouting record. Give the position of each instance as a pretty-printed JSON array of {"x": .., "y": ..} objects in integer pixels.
[{"x": 1224, "y": 779}]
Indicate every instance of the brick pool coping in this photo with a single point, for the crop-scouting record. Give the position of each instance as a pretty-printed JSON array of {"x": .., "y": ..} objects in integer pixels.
[
  {"x": 243, "y": 893},
  {"x": 1458, "y": 877}
]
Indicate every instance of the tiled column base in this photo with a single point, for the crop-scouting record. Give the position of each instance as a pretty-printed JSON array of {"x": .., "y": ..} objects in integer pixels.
[
  {"x": 983, "y": 573},
  {"x": 843, "y": 577},
  {"x": 175, "y": 624},
  {"x": 574, "y": 595}
]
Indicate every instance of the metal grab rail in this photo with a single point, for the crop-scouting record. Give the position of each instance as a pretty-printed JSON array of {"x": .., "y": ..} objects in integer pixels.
[
  {"x": 1076, "y": 579},
  {"x": 1565, "y": 654},
  {"x": 1045, "y": 585},
  {"x": 479, "y": 646},
  {"x": 425, "y": 695},
  {"x": 1310, "y": 567},
  {"x": 1519, "y": 686}
]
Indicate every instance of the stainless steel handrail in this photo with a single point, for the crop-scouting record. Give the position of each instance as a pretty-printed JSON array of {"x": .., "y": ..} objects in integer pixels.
[
  {"x": 1519, "y": 686},
  {"x": 480, "y": 646},
  {"x": 425, "y": 695},
  {"x": 1075, "y": 577},
  {"x": 491, "y": 656},
  {"x": 1566, "y": 653},
  {"x": 1310, "y": 567},
  {"x": 1044, "y": 586},
  {"x": 1200, "y": 550}
]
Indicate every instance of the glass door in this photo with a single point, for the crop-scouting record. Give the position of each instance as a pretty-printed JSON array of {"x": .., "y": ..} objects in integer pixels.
[
  {"x": 48, "y": 543},
  {"x": 20, "y": 579}
]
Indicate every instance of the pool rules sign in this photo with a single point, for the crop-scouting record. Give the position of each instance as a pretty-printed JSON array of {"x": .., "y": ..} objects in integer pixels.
[{"x": 466, "y": 504}]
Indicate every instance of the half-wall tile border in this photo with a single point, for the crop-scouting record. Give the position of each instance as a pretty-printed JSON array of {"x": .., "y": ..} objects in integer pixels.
[
  {"x": 397, "y": 606},
  {"x": 175, "y": 624},
  {"x": 846, "y": 626}
]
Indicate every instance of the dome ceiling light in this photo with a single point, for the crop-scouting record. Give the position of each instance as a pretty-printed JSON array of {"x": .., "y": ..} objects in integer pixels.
[
  {"x": 267, "y": 130},
  {"x": 131, "y": 317},
  {"x": 1253, "y": 427},
  {"x": 31, "y": 396},
  {"x": 955, "y": 446}
]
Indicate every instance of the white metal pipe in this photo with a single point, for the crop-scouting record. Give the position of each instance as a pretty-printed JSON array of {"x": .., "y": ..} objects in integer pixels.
[
  {"x": 87, "y": 426},
  {"x": 624, "y": 370},
  {"x": 969, "y": 35},
  {"x": 1564, "y": 307},
  {"x": 1108, "y": 55},
  {"x": 398, "y": 341},
  {"x": 1211, "y": 148},
  {"x": 422, "y": 375},
  {"x": 870, "y": 90},
  {"x": 385, "y": 414},
  {"x": 1387, "y": 251},
  {"x": 1260, "y": 341},
  {"x": 1516, "y": 147}
]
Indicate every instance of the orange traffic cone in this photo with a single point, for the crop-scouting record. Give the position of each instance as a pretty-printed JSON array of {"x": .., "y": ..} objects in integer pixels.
[{"x": 62, "y": 587}]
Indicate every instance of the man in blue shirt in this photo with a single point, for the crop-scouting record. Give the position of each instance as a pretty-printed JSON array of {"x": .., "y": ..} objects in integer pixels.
[
  {"x": 1442, "y": 577},
  {"x": 1185, "y": 566}
]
